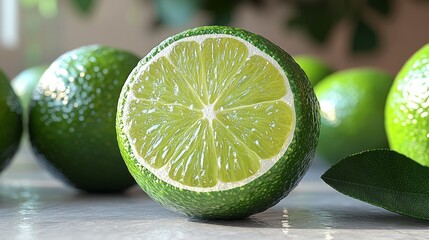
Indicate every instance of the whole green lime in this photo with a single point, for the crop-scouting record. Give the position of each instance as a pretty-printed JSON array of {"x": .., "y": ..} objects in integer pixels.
[
  {"x": 72, "y": 118},
  {"x": 315, "y": 68},
  {"x": 218, "y": 123},
  {"x": 352, "y": 108},
  {"x": 10, "y": 122},
  {"x": 407, "y": 109},
  {"x": 25, "y": 82}
]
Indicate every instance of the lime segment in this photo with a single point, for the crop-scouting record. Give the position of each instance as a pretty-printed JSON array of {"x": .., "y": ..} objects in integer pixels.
[
  {"x": 257, "y": 81},
  {"x": 160, "y": 82},
  {"x": 186, "y": 58},
  {"x": 262, "y": 127},
  {"x": 223, "y": 58},
  {"x": 236, "y": 161},
  {"x": 163, "y": 126}
]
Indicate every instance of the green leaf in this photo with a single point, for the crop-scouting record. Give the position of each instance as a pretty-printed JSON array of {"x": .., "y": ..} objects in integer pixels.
[
  {"x": 221, "y": 11},
  {"x": 381, "y": 6},
  {"x": 365, "y": 38},
  {"x": 383, "y": 178},
  {"x": 316, "y": 18},
  {"x": 84, "y": 6}
]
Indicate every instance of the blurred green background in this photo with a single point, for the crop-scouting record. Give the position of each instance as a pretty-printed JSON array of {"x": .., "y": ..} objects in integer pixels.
[{"x": 345, "y": 33}]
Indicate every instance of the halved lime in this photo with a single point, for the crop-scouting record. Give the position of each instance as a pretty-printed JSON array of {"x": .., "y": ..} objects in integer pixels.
[{"x": 217, "y": 122}]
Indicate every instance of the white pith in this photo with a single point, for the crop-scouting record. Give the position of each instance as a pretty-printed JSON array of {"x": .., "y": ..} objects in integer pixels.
[{"x": 210, "y": 114}]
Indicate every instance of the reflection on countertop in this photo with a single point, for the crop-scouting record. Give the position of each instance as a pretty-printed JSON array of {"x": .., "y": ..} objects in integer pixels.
[{"x": 33, "y": 205}]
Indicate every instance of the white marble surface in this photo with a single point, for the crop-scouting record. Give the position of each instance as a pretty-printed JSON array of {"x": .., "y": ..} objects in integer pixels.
[{"x": 33, "y": 205}]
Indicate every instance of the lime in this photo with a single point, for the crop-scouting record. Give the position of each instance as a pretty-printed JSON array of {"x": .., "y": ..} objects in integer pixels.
[
  {"x": 352, "y": 107},
  {"x": 25, "y": 82},
  {"x": 407, "y": 109},
  {"x": 72, "y": 118},
  {"x": 315, "y": 68},
  {"x": 217, "y": 123},
  {"x": 10, "y": 122}
]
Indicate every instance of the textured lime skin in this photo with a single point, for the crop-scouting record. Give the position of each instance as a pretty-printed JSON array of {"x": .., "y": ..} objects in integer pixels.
[
  {"x": 10, "y": 122},
  {"x": 407, "y": 108},
  {"x": 264, "y": 191},
  {"x": 352, "y": 109},
  {"x": 72, "y": 118},
  {"x": 315, "y": 68}
]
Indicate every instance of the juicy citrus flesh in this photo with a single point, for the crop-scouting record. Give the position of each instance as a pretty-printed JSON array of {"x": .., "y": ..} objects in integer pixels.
[
  {"x": 407, "y": 109},
  {"x": 209, "y": 113}
]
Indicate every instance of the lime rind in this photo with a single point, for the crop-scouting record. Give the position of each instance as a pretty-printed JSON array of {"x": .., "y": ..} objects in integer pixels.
[{"x": 201, "y": 101}]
